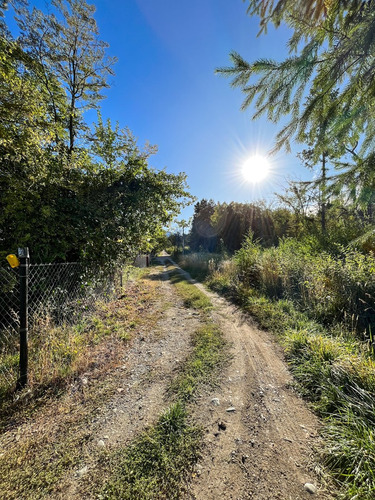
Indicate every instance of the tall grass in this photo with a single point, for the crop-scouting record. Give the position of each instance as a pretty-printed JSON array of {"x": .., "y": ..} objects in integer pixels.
[
  {"x": 329, "y": 288},
  {"x": 200, "y": 265}
]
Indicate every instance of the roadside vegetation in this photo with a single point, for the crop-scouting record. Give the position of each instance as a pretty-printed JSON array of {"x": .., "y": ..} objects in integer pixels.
[
  {"x": 57, "y": 417},
  {"x": 309, "y": 273},
  {"x": 60, "y": 353},
  {"x": 157, "y": 463},
  {"x": 71, "y": 190}
]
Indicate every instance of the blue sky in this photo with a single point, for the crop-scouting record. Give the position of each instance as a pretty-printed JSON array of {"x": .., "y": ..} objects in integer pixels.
[{"x": 166, "y": 91}]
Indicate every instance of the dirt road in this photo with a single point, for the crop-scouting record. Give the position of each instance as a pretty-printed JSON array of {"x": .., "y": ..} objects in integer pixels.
[{"x": 260, "y": 435}]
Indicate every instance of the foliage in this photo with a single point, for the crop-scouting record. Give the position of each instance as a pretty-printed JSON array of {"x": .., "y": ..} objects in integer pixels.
[
  {"x": 223, "y": 227},
  {"x": 156, "y": 463},
  {"x": 200, "y": 265},
  {"x": 67, "y": 192},
  {"x": 330, "y": 288},
  {"x": 65, "y": 43},
  {"x": 203, "y": 235},
  {"x": 332, "y": 50},
  {"x": 219, "y": 227}
]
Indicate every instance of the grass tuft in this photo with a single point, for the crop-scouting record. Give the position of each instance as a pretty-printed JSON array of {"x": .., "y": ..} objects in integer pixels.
[
  {"x": 208, "y": 355},
  {"x": 155, "y": 465},
  {"x": 191, "y": 295}
]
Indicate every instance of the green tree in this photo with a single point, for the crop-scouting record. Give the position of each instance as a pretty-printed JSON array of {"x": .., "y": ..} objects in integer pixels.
[
  {"x": 331, "y": 54},
  {"x": 26, "y": 136},
  {"x": 203, "y": 234},
  {"x": 233, "y": 221},
  {"x": 183, "y": 224},
  {"x": 98, "y": 201},
  {"x": 127, "y": 203},
  {"x": 66, "y": 45}
]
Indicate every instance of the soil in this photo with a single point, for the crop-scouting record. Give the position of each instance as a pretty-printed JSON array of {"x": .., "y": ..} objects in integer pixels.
[
  {"x": 147, "y": 370},
  {"x": 260, "y": 438}
]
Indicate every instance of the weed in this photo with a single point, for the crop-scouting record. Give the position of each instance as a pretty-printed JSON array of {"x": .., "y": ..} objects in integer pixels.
[
  {"x": 208, "y": 355},
  {"x": 154, "y": 466},
  {"x": 191, "y": 295}
]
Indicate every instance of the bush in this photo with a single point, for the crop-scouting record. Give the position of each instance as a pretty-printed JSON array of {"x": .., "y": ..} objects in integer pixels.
[{"x": 329, "y": 288}]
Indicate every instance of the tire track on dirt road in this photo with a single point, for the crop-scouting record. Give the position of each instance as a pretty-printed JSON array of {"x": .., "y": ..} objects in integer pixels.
[
  {"x": 260, "y": 435},
  {"x": 146, "y": 371}
]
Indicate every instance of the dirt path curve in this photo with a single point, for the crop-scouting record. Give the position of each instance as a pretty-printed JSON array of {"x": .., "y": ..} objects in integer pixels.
[{"x": 260, "y": 434}]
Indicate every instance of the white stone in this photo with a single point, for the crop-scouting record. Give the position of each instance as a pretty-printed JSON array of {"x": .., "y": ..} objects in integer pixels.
[{"x": 310, "y": 488}]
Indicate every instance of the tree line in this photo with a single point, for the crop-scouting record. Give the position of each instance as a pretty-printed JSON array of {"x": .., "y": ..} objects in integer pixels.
[{"x": 297, "y": 213}]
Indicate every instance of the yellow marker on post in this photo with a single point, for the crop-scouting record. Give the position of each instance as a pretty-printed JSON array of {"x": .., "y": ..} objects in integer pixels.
[{"x": 13, "y": 260}]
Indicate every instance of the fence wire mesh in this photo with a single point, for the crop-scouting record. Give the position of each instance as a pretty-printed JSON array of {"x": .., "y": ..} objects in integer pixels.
[
  {"x": 9, "y": 325},
  {"x": 58, "y": 294}
]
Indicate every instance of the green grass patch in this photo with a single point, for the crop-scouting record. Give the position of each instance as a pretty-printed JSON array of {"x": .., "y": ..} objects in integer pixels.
[
  {"x": 191, "y": 295},
  {"x": 28, "y": 475},
  {"x": 155, "y": 465},
  {"x": 208, "y": 355}
]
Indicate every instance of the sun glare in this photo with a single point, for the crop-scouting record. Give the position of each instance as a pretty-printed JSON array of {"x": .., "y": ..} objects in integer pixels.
[{"x": 256, "y": 168}]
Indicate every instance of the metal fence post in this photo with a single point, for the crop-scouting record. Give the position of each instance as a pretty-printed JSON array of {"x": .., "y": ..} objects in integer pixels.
[{"x": 24, "y": 257}]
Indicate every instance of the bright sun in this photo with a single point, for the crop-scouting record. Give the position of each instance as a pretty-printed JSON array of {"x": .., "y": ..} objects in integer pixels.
[{"x": 256, "y": 168}]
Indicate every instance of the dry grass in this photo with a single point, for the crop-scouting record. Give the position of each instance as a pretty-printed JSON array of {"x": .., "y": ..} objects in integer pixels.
[{"x": 48, "y": 431}]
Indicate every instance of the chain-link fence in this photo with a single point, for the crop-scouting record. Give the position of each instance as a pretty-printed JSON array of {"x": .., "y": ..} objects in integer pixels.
[
  {"x": 65, "y": 292},
  {"x": 9, "y": 325},
  {"x": 62, "y": 293}
]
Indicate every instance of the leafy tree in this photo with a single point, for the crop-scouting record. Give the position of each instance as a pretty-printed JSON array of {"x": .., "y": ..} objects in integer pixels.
[
  {"x": 203, "y": 235},
  {"x": 66, "y": 45},
  {"x": 183, "y": 224},
  {"x": 275, "y": 11},
  {"x": 100, "y": 214},
  {"x": 25, "y": 138},
  {"x": 233, "y": 221},
  {"x": 100, "y": 202}
]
